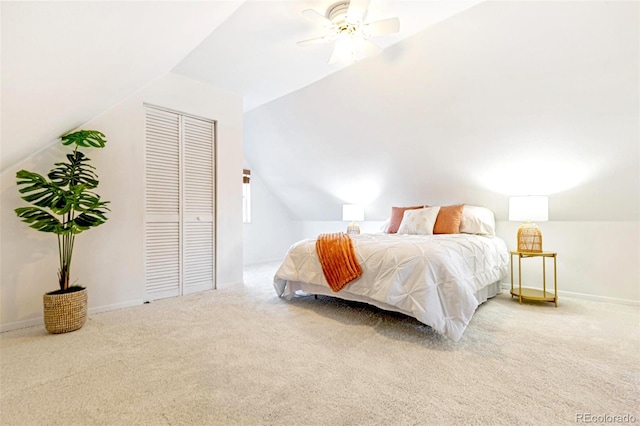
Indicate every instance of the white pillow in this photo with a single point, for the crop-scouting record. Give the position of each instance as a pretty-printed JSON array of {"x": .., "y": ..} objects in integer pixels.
[
  {"x": 477, "y": 220},
  {"x": 419, "y": 221}
]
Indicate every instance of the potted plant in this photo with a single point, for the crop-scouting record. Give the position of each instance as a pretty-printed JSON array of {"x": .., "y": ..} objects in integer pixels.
[{"x": 65, "y": 205}]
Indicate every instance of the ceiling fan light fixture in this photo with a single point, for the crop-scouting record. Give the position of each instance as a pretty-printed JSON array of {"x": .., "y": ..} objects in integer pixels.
[
  {"x": 345, "y": 21},
  {"x": 343, "y": 51}
]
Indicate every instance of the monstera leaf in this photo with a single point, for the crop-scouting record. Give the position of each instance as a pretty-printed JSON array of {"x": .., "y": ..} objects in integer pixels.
[
  {"x": 76, "y": 171},
  {"x": 85, "y": 138},
  {"x": 42, "y": 193},
  {"x": 89, "y": 219},
  {"x": 40, "y": 220}
]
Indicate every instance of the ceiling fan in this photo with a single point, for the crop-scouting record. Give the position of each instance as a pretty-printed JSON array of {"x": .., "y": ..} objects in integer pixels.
[{"x": 345, "y": 25}]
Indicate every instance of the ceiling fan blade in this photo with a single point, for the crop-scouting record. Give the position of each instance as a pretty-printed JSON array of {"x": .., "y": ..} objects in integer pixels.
[
  {"x": 336, "y": 56},
  {"x": 386, "y": 26},
  {"x": 316, "y": 16},
  {"x": 368, "y": 48},
  {"x": 357, "y": 10},
  {"x": 343, "y": 51},
  {"x": 316, "y": 40}
]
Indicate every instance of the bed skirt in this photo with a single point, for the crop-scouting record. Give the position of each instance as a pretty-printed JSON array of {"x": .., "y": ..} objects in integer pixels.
[{"x": 290, "y": 289}]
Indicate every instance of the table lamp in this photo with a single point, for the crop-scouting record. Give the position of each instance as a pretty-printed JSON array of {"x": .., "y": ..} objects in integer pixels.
[
  {"x": 529, "y": 209},
  {"x": 352, "y": 212}
]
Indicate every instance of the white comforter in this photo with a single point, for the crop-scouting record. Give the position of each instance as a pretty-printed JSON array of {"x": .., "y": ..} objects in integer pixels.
[{"x": 438, "y": 279}]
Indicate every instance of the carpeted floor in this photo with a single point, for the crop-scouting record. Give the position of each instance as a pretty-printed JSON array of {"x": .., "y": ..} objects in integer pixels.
[{"x": 240, "y": 355}]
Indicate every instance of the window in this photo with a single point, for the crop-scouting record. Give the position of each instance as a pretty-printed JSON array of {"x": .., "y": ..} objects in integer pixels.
[{"x": 246, "y": 196}]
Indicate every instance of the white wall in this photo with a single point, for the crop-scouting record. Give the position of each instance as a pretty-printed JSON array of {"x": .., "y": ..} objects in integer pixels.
[
  {"x": 109, "y": 259},
  {"x": 598, "y": 260},
  {"x": 271, "y": 230},
  {"x": 507, "y": 98}
]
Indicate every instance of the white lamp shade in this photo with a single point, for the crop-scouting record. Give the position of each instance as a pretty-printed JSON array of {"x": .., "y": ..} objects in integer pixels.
[
  {"x": 352, "y": 212},
  {"x": 529, "y": 208}
]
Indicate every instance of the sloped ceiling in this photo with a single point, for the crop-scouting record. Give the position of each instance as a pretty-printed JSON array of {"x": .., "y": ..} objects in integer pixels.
[
  {"x": 503, "y": 98},
  {"x": 506, "y": 98},
  {"x": 254, "y": 52},
  {"x": 64, "y": 63}
]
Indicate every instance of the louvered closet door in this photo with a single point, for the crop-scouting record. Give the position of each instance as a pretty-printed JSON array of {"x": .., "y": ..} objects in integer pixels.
[
  {"x": 179, "y": 206},
  {"x": 198, "y": 216},
  {"x": 162, "y": 204}
]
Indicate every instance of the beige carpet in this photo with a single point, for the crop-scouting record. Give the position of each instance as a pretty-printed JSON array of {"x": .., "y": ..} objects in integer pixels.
[{"x": 240, "y": 355}]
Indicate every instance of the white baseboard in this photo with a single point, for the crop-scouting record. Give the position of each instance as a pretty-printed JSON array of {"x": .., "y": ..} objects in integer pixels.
[
  {"x": 39, "y": 321},
  {"x": 584, "y": 296},
  {"x": 21, "y": 324},
  {"x": 106, "y": 308},
  {"x": 228, "y": 284}
]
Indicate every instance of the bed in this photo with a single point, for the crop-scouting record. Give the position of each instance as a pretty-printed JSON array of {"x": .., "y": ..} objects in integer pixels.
[{"x": 438, "y": 279}]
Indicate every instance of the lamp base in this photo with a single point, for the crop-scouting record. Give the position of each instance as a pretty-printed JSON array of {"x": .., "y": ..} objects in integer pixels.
[
  {"x": 529, "y": 238},
  {"x": 353, "y": 228}
]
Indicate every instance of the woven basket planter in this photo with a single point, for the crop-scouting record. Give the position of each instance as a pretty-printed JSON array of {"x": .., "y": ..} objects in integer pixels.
[{"x": 65, "y": 312}]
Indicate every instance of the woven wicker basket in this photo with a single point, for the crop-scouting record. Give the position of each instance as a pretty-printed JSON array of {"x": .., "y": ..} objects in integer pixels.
[{"x": 65, "y": 312}]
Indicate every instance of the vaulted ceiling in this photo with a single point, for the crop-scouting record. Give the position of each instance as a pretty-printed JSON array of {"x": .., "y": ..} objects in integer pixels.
[
  {"x": 506, "y": 98},
  {"x": 64, "y": 63},
  {"x": 463, "y": 105},
  {"x": 255, "y": 51}
]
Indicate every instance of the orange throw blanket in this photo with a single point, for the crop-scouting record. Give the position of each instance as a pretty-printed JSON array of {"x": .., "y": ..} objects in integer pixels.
[{"x": 338, "y": 259}]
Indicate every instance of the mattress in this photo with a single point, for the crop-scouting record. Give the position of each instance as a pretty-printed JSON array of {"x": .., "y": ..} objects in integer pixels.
[{"x": 438, "y": 279}]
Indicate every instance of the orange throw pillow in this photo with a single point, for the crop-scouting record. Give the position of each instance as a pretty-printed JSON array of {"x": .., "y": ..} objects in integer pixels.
[
  {"x": 397, "y": 213},
  {"x": 448, "y": 220}
]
